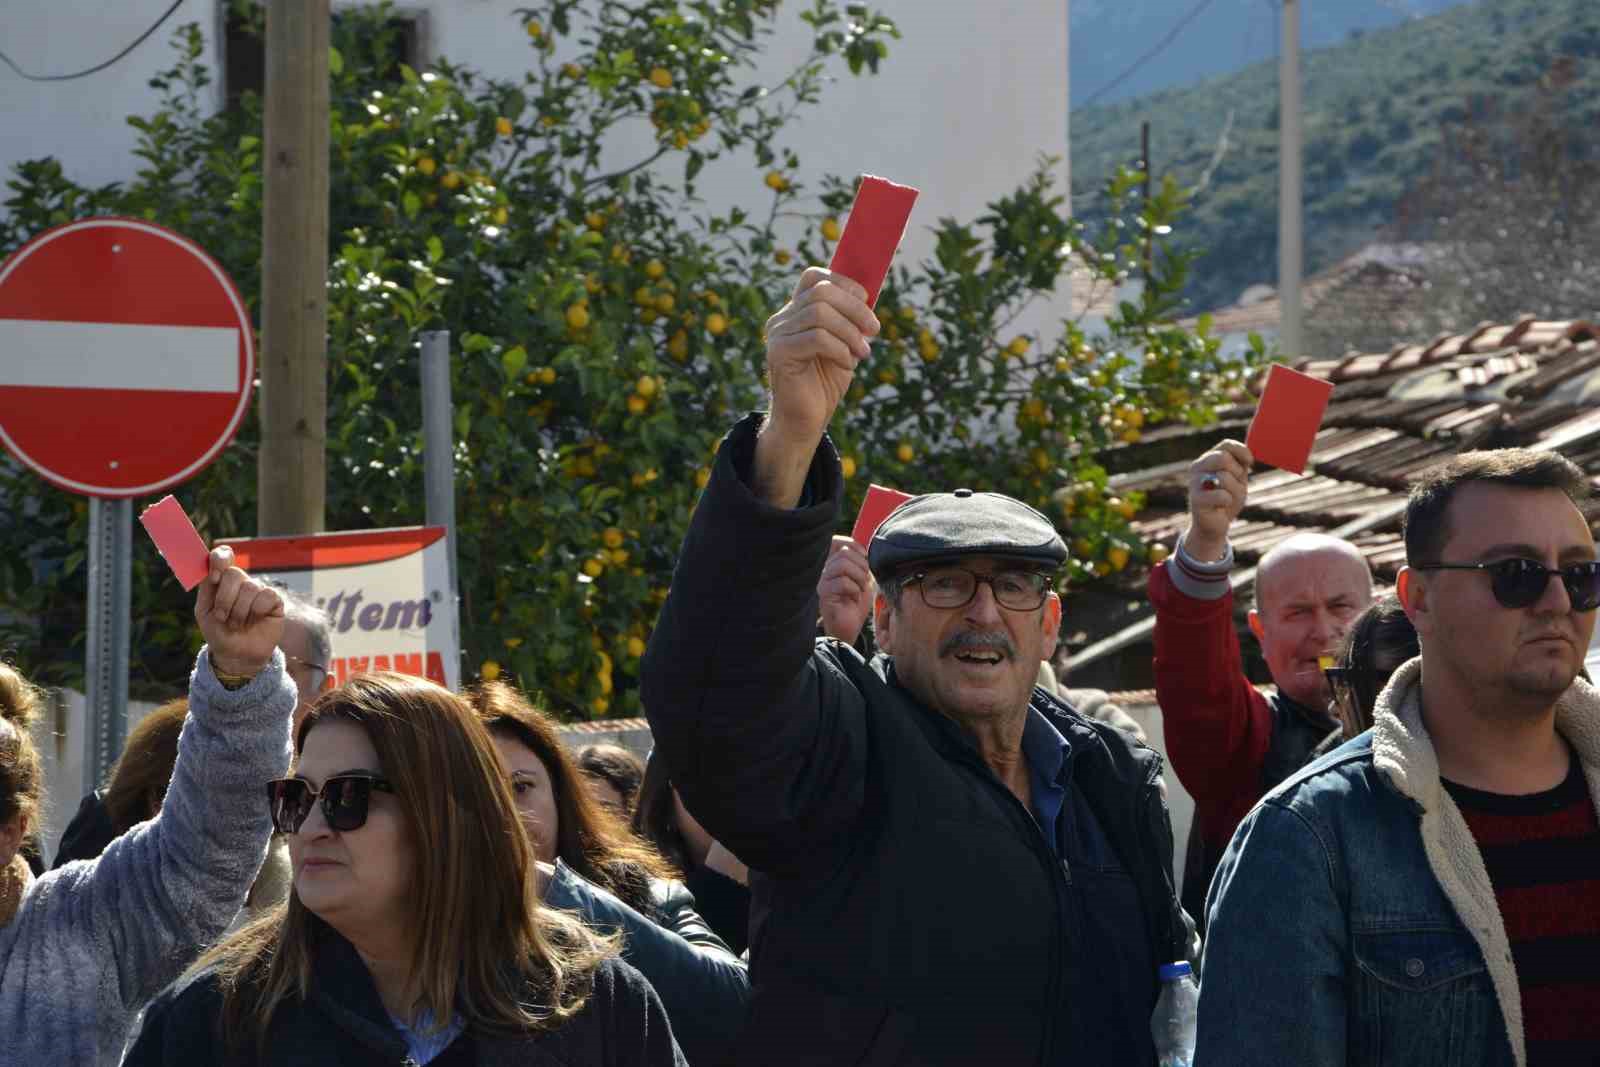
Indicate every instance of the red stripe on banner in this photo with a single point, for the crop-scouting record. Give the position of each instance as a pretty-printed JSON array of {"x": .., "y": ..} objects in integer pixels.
[{"x": 320, "y": 551}]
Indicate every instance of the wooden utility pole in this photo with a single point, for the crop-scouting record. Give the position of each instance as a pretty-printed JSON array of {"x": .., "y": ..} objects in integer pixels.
[
  {"x": 1291, "y": 256},
  {"x": 292, "y": 474},
  {"x": 1144, "y": 163}
]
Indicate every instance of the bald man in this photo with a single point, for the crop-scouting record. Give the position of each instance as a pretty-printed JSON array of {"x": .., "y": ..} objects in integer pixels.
[{"x": 1228, "y": 743}]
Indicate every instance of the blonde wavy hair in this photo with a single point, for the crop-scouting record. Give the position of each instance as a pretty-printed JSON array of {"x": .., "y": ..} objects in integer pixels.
[
  {"x": 491, "y": 949},
  {"x": 21, "y": 771}
]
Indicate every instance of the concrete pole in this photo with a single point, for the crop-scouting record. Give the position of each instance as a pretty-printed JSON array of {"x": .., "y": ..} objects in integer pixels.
[
  {"x": 1291, "y": 254},
  {"x": 292, "y": 474}
]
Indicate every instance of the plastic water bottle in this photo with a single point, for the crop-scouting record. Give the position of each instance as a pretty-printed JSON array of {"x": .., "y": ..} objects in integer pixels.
[{"x": 1173, "y": 1023}]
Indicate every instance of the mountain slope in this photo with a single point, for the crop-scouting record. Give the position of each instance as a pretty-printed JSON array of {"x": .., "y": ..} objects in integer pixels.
[{"x": 1375, "y": 110}]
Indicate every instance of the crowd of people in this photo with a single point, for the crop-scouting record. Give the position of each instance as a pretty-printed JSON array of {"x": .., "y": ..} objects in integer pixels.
[{"x": 911, "y": 843}]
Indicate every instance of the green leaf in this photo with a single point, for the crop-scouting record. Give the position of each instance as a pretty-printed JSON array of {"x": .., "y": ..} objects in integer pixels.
[
  {"x": 435, "y": 249},
  {"x": 411, "y": 203},
  {"x": 513, "y": 361},
  {"x": 335, "y": 61}
]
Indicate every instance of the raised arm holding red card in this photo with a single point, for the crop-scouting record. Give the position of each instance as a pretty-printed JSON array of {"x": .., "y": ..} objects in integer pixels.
[
  {"x": 875, "y": 797},
  {"x": 1227, "y": 741}
]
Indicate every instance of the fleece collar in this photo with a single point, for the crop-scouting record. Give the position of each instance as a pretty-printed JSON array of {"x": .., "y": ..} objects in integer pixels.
[{"x": 1403, "y": 752}]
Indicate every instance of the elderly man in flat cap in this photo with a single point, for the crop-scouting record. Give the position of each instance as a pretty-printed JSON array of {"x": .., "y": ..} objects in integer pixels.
[{"x": 961, "y": 870}]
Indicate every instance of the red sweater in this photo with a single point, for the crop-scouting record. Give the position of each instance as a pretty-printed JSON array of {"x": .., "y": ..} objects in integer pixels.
[{"x": 1218, "y": 726}]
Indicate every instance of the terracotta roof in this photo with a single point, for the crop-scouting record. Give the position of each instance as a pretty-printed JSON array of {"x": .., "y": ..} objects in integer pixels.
[{"x": 1393, "y": 414}]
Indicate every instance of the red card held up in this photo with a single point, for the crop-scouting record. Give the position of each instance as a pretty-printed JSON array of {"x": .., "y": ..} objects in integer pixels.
[
  {"x": 177, "y": 541},
  {"x": 1287, "y": 418},
  {"x": 872, "y": 233},
  {"x": 878, "y": 505}
]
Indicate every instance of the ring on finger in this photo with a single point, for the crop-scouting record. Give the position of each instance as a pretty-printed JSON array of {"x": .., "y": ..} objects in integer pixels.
[{"x": 1210, "y": 482}]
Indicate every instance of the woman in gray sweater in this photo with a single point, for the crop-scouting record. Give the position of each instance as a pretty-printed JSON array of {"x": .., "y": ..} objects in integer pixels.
[{"x": 83, "y": 947}]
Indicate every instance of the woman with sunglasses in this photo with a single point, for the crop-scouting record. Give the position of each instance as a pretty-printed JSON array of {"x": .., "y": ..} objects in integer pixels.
[
  {"x": 616, "y": 881},
  {"x": 1377, "y": 643},
  {"x": 413, "y": 933},
  {"x": 84, "y": 946}
]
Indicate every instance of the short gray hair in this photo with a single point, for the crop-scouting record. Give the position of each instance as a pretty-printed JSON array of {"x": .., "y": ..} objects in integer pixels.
[{"x": 303, "y": 612}]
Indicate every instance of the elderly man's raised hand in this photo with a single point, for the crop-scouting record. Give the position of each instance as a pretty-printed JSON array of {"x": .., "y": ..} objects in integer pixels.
[
  {"x": 1218, "y": 484},
  {"x": 814, "y": 344},
  {"x": 240, "y": 617}
]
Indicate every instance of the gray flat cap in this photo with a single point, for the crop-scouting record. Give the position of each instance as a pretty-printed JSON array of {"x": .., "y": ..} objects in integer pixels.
[{"x": 963, "y": 523}]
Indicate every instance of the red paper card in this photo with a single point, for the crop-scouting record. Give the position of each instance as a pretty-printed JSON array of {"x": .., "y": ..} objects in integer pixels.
[
  {"x": 1287, "y": 418},
  {"x": 872, "y": 233},
  {"x": 177, "y": 541},
  {"x": 878, "y": 505}
]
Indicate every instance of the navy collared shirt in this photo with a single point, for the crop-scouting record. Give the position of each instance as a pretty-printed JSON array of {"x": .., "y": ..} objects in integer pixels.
[{"x": 1046, "y": 752}]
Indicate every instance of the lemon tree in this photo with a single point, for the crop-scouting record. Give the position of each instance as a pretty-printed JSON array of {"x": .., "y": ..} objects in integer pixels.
[{"x": 606, "y": 324}]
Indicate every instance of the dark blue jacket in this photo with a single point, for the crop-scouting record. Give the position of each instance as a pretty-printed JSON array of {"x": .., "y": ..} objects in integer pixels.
[{"x": 918, "y": 915}]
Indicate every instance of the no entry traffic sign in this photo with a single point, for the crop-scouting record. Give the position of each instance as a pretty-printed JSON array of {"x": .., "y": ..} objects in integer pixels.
[{"x": 126, "y": 357}]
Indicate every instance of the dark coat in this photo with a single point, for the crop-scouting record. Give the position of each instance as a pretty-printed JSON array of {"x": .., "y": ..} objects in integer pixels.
[
  {"x": 343, "y": 1024},
  {"x": 917, "y": 913},
  {"x": 89, "y": 832}
]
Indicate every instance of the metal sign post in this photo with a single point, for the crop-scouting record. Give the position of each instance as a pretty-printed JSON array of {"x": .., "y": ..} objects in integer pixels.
[
  {"x": 106, "y": 666},
  {"x": 438, "y": 451}
]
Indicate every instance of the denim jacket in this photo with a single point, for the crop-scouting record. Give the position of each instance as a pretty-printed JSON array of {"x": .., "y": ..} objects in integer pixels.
[{"x": 1352, "y": 920}]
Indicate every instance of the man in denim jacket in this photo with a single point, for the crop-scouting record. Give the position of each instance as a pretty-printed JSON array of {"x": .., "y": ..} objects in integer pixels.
[{"x": 1429, "y": 893}]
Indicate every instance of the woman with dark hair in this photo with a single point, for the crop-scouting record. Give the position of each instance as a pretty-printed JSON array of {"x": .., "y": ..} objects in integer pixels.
[
  {"x": 414, "y": 932},
  {"x": 719, "y": 882},
  {"x": 1378, "y": 641},
  {"x": 84, "y": 946},
  {"x": 615, "y": 880},
  {"x": 612, "y": 774}
]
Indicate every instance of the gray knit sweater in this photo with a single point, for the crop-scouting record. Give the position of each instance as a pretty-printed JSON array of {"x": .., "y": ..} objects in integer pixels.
[{"x": 94, "y": 940}]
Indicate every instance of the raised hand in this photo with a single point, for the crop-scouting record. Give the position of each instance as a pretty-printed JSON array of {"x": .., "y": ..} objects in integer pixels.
[
  {"x": 1218, "y": 484},
  {"x": 241, "y": 618},
  {"x": 845, "y": 590},
  {"x": 814, "y": 344}
]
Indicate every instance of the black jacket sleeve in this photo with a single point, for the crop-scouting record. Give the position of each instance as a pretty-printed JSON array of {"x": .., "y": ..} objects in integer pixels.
[
  {"x": 765, "y": 741},
  {"x": 635, "y": 1025},
  {"x": 704, "y": 989}
]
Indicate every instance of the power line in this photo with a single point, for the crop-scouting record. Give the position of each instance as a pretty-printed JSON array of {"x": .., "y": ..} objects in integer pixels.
[
  {"x": 95, "y": 69},
  {"x": 1148, "y": 56}
]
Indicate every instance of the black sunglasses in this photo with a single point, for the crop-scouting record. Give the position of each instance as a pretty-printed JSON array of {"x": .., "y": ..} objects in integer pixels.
[
  {"x": 344, "y": 801},
  {"x": 1519, "y": 583}
]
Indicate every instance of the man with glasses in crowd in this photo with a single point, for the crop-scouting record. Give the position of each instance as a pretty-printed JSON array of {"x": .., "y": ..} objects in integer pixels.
[
  {"x": 1228, "y": 742},
  {"x": 1432, "y": 895},
  {"x": 961, "y": 870}
]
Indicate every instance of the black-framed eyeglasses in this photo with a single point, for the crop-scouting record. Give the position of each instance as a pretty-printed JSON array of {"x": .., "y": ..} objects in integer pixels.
[
  {"x": 954, "y": 587},
  {"x": 1519, "y": 583},
  {"x": 345, "y": 799}
]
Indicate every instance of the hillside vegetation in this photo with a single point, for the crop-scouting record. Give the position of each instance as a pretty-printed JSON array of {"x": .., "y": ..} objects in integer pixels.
[{"x": 1376, "y": 110}]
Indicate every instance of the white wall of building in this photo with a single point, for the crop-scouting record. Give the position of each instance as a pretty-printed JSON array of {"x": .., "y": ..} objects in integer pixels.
[{"x": 968, "y": 100}]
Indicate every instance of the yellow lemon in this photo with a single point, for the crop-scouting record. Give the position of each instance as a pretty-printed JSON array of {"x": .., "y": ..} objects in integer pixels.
[
  {"x": 619, "y": 556},
  {"x": 776, "y": 181},
  {"x": 1117, "y": 557},
  {"x": 830, "y": 229},
  {"x": 535, "y": 30},
  {"x": 611, "y": 537},
  {"x": 489, "y": 671},
  {"x": 595, "y": 221},
  {"x": 661, "y": 77},
  {"x": 646, "y": 386},
  {"x": 678, "y": 346},
  {"x": 637, "y": 405},
  {"x": 905, "y": 453},
  {"x": 654, "y": 269},
  {"x": 426, "y": 165},
  {"x": 847, "y": 466},
  {"x": 547, "y": 375},
  {"x": 572, "y": 70},
  {"x": 502, "y": 126},
  {"x": 635, "y": 647},
  {"x": 500, "y": 216},
  {"x": 1018, "y": 347},
  {"x": 665, "y": 303},
  {"x": 599, "y": 704},
  {"x": 782, "y": 257},
  {"x": 450, "y": 179},
  {"x": 1159, "y": 553},
  {"x": 716, "y": 323},
  {"x": 593, "y": 568},
  {"x": 577, "y": 316},
  {"x": 513, "y": 642}
]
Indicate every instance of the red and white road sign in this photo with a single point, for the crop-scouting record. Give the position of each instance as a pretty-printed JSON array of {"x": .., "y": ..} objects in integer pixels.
[{"x": 126, "y": 357}]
